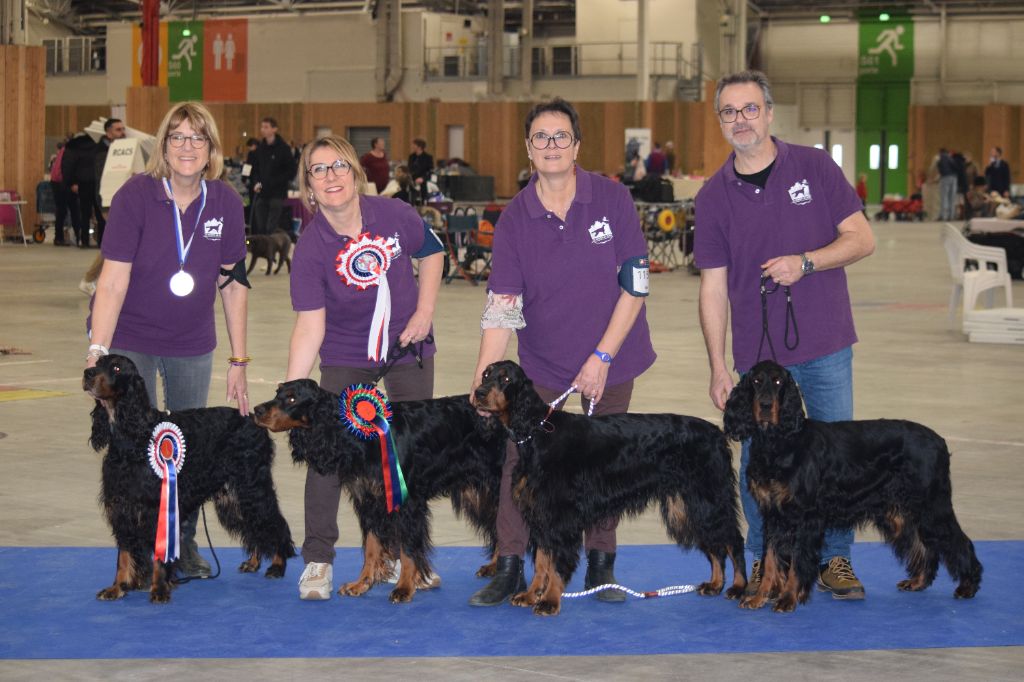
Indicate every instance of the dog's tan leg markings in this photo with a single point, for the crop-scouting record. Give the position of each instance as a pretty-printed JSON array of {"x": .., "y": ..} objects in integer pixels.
[
  {"x": 713, "y": 587},
  {"x": 160, "y": 591},
  {"x": 124, "y": 578},
  {"x": 373, "y": 557},
  {"x": 250, "y": 565},
  {"x": 549, "y": 602},
  {"x": 490, "y": 568},
  {"x": 277, "y": 567},
  {"x": 406, "y": 586},
  {"x": 538, "y": 585},
  {"x": 739, "y": 579},
  {"x": 789, "y": 592},
  {"x": 769, "y": 579}
]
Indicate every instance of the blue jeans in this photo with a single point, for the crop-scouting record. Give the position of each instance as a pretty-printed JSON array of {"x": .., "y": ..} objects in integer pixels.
[
  {"x": 827, "y": 386},
  {"x": 947, "y": 197},
  {"x": 186, "y": 380}
]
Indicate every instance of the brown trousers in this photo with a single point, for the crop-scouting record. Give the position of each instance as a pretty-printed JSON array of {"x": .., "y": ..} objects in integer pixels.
[
  {"x": 513, "y": 535},
  {"x": 323, "y": 493}
]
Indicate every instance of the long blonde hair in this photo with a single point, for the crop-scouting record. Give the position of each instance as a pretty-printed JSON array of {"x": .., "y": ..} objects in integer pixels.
[
  {"x": 201, "y": 120},
  {"x": 345, "y": 151}
]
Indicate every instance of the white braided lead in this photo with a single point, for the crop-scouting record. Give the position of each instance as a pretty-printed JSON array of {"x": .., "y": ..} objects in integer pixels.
[
  {"x": 663, "y": 592},
  {"x": 554, "y": 403}
]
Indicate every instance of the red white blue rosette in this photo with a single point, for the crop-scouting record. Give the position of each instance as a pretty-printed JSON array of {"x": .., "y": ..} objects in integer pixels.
[
  {"x": 366, "y": 413},
  {"x": 364, "y": 263},
  {"x": 166, "y": 457}
]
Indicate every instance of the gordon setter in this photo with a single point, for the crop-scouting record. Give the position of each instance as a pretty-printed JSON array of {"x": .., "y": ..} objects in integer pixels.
[
  {"x": 575, "y": 471},
  {"x": 227, "y": 458},
  {"x": 808, "y": 476},
  {"x": 444, "y": 450}
]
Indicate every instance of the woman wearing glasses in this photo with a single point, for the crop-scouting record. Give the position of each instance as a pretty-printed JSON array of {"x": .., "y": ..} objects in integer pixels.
[
  {"x": 174, "y": 237},
  {"x": 570, "y": 273},
  {"x": 353, "y": 288}
]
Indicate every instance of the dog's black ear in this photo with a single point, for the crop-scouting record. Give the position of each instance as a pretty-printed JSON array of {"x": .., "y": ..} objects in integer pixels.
[
  {"x": 526, "y": 408},
  {"x": 132, "y": 408},
  {"x": 99, "y": 437},
  {"x": 791, "y": 416},
  {"x": 738, "y": 420}
]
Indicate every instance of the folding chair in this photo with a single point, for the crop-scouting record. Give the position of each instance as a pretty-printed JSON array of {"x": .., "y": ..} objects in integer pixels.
[
  {"x": 458, "y": 226},
  {"x": 479, "y": 247}
]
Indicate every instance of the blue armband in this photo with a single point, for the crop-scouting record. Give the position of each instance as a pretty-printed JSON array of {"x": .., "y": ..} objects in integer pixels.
[
  {"x": 431, "y": 244},
  {"x": 635, "y": 276}
]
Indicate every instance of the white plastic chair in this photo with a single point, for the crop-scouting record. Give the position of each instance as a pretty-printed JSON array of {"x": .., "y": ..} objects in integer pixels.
[
  {"x": 965, "y": 256},
  {"x": 991, "y": 325}
]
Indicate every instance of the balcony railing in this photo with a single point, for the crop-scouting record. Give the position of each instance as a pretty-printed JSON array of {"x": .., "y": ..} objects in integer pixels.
[
  {"x": 554, "y": 60},
  {"x": 75, "y": 55}
]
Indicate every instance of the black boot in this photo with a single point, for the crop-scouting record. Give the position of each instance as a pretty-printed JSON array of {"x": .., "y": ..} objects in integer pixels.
[
  {"x": 190, "y": 563},
  {"x": 507, "y": 581},
  {"x": 600, "y": 571}
]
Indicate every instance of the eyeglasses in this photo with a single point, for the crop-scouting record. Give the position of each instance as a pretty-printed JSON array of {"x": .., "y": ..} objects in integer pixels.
[
  {"x": 178, "y": 140},
  {"x": 561, "y": 140},
  {"x": 750, "y": 112},
  {"x": 340, "y": 168}
]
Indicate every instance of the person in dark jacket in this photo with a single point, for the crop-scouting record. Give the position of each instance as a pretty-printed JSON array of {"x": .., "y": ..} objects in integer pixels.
[
  {"x": 421, "y": 165},
  {"x": 997, "y": 173},
  {"x": 274, "y": 170},
  {"x": 82, "y": 168}
]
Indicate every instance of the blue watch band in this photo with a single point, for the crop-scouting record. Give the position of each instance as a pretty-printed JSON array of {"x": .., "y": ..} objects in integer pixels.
[{"x": 605, "y": 357}]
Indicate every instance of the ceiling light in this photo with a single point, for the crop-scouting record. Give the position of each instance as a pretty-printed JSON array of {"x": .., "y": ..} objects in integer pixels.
[
  {"x": 884, "y": 16},
  {"x": 824, "y": 18}
]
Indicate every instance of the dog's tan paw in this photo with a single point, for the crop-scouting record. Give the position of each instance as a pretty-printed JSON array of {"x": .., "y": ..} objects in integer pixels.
[
  {"x": 110, "y": 593},
  {"x": 547, "y": 608}
]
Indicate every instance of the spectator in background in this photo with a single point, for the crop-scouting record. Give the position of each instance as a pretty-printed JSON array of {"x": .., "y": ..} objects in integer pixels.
[
  {"x": 274, "y": 170},
  {"x": 656, "y": 161},
  {"x": 997, "y": 173},
  {"x": 61, "y": 199},
  {"x": 401, "y": 186},
  {"x": 375, "y": 163},
  {"x": 421, "y": 165},
  {"x": 947, "y": 185},
  {"x": 862, "y": 191},
  {"x": 978, "y": 201},
  {"x": 670, "y": 157},
  {"x": 82, "y": 169},
  {"x": 249, "y": 178}
]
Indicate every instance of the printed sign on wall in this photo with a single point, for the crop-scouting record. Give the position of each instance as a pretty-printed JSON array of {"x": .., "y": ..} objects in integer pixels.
[
  {"x": 226, "y": 57},
  {"x": 886, "y": 50},
  {"x": 211, "y": 63}
]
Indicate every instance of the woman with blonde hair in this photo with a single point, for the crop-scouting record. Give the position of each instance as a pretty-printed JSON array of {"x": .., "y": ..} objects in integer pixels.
[
  {"x": 356, "y": 297},
  {"x": 175, "y": 237}
]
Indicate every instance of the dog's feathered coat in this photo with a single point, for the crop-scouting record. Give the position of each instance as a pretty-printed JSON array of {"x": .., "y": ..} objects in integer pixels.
[
  {"x": 227, "y": 459},
  {"x": 575, "y": 471},
  {"x": 808, "y": 476},
  {"x": 442, "y": 451}
]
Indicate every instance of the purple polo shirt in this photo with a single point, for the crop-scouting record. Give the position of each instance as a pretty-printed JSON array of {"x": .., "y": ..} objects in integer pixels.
[
  {"x": 567, "y": 273},
  {"x": 315, "y": 282},
  {"x": 739, "y": 226},
  {"x": 140, "y": 230}
]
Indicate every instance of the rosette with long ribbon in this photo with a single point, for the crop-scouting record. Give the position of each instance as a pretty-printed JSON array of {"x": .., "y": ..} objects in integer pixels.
[
  {"x": 366, "y": 412},
  {"x": 362, "y": 264},
  {"x": 166, "y": 457}
]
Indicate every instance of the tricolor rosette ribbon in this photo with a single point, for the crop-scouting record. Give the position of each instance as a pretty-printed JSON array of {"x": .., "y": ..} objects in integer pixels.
[
  {"x": 166, "y": 457},
  {"x": 366, "y": 412},
  {"x": 362, "y": 264}
]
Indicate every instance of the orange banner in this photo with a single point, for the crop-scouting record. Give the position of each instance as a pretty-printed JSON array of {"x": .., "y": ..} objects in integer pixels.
[
  {"x": 225, "y": 60},
  {"x": 137, "y": 55}
]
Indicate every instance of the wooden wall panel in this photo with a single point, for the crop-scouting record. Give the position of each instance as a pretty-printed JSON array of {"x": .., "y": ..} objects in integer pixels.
[
  {"x": 929, "y": 128},
  {"x": 22, "y": 127},
  {"x": 716, "y": 149},
  {"x": 1002, "y": 128},
  {"x": 146, "y": 107}
]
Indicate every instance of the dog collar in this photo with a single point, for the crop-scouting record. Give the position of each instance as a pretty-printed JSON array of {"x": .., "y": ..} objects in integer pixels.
[{"x": 543, "y": 425}]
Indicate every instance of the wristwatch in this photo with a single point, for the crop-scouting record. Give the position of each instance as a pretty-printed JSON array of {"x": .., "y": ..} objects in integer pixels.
[
  {"x": 605, "y": 357},
  {"x": 806, "y": 264}
]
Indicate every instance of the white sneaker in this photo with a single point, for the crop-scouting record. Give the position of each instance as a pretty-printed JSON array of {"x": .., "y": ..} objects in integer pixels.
[
  {"x": 430, "y": 582},
  {"x": 316, "y": 581}
]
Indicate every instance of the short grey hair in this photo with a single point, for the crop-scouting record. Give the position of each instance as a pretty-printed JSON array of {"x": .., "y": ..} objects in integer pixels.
[{"x": 748, "y": 76}]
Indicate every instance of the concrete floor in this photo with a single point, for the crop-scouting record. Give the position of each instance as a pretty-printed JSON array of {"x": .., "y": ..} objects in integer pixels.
[{"x": 908, "y": 364}]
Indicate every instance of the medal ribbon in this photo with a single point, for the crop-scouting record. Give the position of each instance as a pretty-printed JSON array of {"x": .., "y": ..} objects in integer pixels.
[
  {"x": 377, "y": 342},
  {"x": 166, "y": 457},
  {"x": 365, "y": 411},
  {"x": 364, "y": 263},
  {"x": 183, "y": 248}
]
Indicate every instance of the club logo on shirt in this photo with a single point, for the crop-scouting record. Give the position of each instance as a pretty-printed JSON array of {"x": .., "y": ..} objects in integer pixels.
[
  {"x": 213, "y": 228},
  {"x": 601, "y": 231},
  {"x": 396, "y": 246},
  {"x": 800, "y": 193}
]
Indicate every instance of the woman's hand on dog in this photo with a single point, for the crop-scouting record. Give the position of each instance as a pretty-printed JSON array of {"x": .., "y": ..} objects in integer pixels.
[
  {"x": 238, "y": 388},
  {"x": 591, "y": 379}
]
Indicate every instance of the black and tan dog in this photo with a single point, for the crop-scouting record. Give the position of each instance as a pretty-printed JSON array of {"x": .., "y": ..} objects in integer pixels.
[
  {"x": 574, "y": 471},
  {"x": 443, "y": 451},
  {"x": 227, "y": 459},
  {"x": 274, "y": 246},
  {"x": 809, "y": 476}
]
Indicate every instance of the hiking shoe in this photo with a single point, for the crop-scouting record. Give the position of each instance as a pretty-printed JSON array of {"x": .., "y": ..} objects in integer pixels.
[
  {"x": 428, "y": 582},
  {"x": 755, "y": 579},
  {"x": 315, "y": 582},
  {"x": 838, "y": 578}
]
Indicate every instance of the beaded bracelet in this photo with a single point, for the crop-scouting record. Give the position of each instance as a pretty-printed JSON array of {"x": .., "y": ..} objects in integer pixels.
[{"x": 240, "y": 362}]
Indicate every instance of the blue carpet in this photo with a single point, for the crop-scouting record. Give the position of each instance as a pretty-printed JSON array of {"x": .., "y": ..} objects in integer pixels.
[{"x": 49, "y": 611}]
